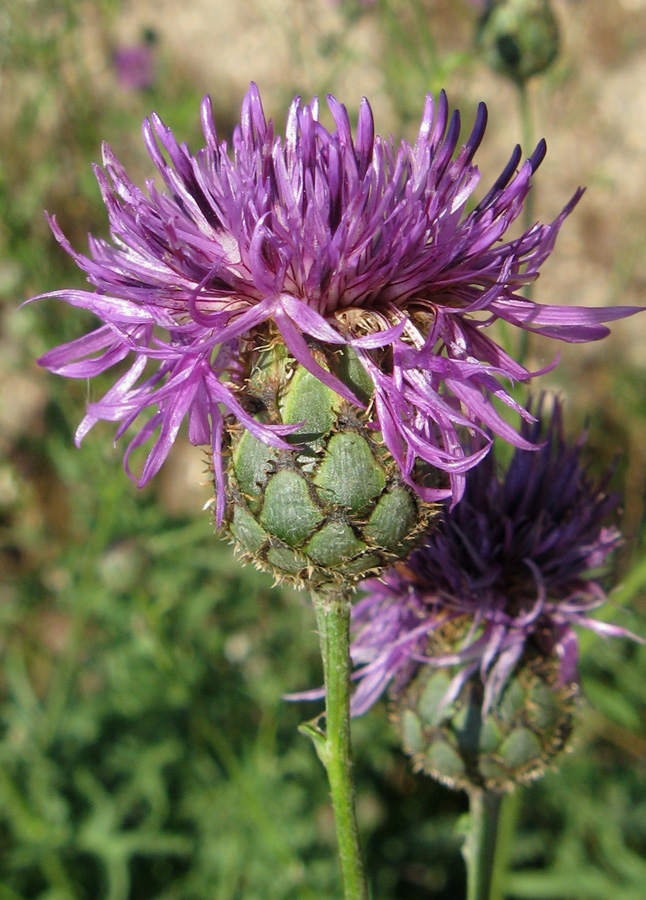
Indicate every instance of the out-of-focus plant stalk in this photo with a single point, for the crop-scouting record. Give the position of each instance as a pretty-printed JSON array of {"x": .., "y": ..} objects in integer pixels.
[{"x": 491, "y": 817}]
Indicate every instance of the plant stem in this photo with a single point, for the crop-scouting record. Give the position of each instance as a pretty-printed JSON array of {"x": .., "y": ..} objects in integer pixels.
[
  {"x": 487, "y": 844},
  {"x": 333, "y": 619}
]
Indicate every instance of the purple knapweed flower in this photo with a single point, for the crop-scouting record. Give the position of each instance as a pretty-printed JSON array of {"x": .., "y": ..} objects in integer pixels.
[
  {"x": 515, "y": 559},
  {"x": 317, "y": 237},
  {"x": 135, "y": 67}
]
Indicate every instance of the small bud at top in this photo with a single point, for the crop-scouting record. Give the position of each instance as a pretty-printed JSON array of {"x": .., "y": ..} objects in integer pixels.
[{"x": 518, "y": 38}]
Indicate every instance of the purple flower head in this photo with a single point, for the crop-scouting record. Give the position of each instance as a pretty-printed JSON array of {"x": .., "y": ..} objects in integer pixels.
[
  {"x": 515, "y": 559},
  {"x": 135, "y": 67},
  {"x": 320, "y": 237}
]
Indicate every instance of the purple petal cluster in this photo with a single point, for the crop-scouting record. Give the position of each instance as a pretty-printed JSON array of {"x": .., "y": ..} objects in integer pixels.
[
  {"x": 320, "y": 236},
  {"x": 517, "y": 559}
]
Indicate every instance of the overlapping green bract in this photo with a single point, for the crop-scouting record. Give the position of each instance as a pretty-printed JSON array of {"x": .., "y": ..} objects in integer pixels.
[
  {"x": 462, "y": 744},
  {"x": 332, "y": 508}
]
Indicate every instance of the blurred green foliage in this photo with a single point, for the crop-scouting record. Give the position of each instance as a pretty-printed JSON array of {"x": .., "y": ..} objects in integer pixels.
[
  {"x": 416, "y": 61},
  {"x": 145, "y": 751}
]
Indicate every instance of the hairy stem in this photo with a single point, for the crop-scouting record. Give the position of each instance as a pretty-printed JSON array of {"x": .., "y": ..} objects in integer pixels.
[{"x": 333, "y": 747}]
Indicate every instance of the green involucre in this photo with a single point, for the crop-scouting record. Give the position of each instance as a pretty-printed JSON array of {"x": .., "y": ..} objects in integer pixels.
[{"x": 332, "y": 509}]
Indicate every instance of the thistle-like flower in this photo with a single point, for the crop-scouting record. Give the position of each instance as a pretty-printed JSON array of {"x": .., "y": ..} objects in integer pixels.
[
  {"x": 320, "y": 242},
  {"x": 475, "y": 632}
]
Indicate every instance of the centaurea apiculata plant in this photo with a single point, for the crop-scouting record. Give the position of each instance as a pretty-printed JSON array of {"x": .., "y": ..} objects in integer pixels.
[{"x": 317, "y": 308}]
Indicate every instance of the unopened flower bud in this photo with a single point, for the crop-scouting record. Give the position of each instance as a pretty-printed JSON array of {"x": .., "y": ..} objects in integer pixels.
[{"x": 518, "y": 38}]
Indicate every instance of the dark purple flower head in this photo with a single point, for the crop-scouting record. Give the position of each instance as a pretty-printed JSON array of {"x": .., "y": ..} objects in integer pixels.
[
  {"x": 315, "y": 237},
  {"x": 515, "y": 559}
]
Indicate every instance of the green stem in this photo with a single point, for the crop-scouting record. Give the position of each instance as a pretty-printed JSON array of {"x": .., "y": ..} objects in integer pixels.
[
  {"x": 486, "y": 848},
  {"x": 333, "y": 619}
]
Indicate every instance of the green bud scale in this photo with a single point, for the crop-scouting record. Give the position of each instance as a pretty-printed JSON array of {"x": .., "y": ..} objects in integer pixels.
[
  {"x": 514, "y": 742},
  {"x": 333, "y": 509}
]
